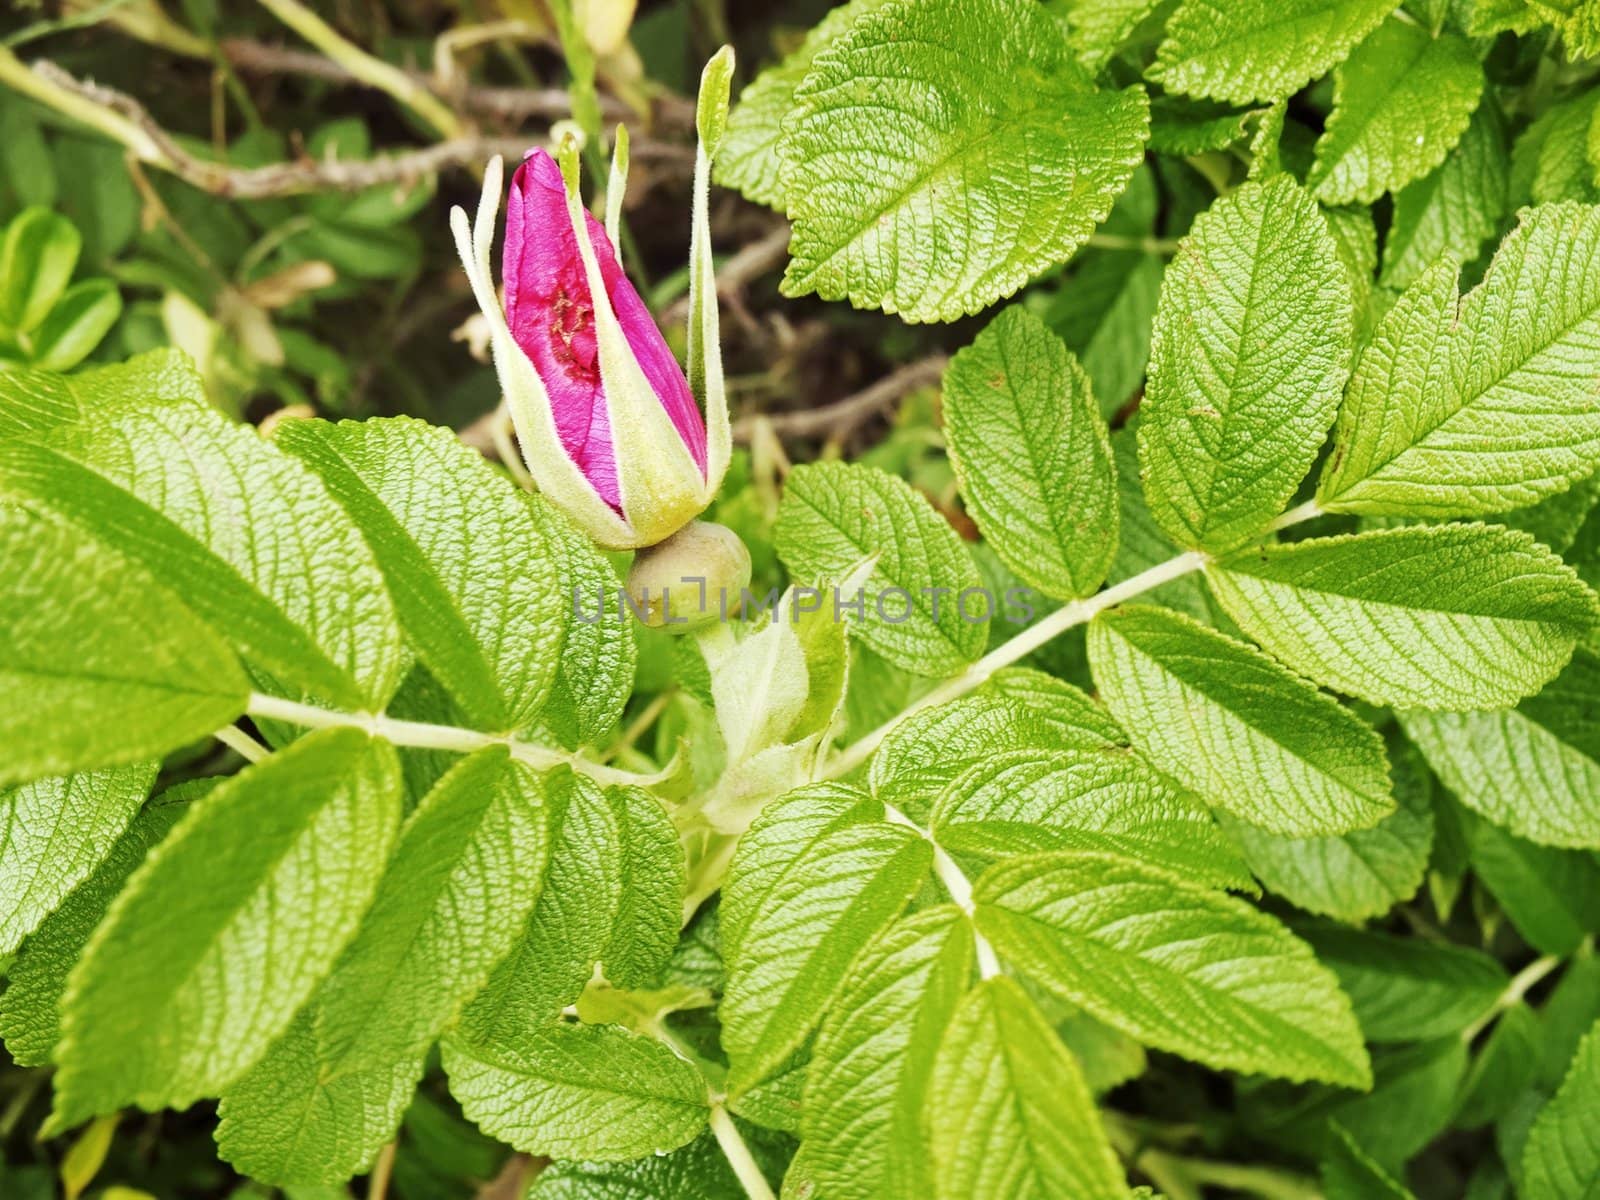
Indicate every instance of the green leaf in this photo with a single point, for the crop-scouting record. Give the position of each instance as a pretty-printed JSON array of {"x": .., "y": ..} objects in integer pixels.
[
  {"x": 1414, "y": 1092},
  {"x": 1401, "y": 102},
  {"x": 869, "y": 1075},
  {"x": 834, "y": 516},
  {"x": 1033, "y": 455},
  {"x": 1110, "y": 800},
  {"x": 1551, "y": 896},
  {"x": 1097, "y": 28},
  {"x": 594, "y": 670},
  {"x": 1348, "y": 1174},
  {"x": 1351, "y": 876},
  {"x": 1462, "y": 408},
  {"x": 1454, "y": 210},
  {"x": 152, "y": 1015},
  {"x": 30, "y": 1014},
  {"x": 36, "y": 401},
  {"x": 1235, "y": 727},
  {"x": 37, "y": 256},
  {"x": 100, "y": 665},
  {"x": 1405, "y": 990},
  {"x": 989, "y": 155},
  {"x": 54, "y": 833},
  {"x": 1010, "y": 1114},
  {"x": 749, "y": 158},
  {"x": 1252, "y": 342},
  {"x": 473, "y": 573},
  {"x": 1104, "y": 312},
  {"x": 578, "y": 1091},
  {"x": 1551, "y": 160},
  {"x": 602, "y": 843},
  {"x": 1173, "y": 964},
  {"x": 1535, "y": 769},
  {"x": 84, "y": 314},
  {"x": 1503, "y": 1070},
  {"x": 1562, "y": 1158},
  {"x": 788, "y": 958},
  {"x": 698, "y": 1171},
  {"x": 929, "y": 750},
  {"x": 1452, "y": 616},
  {"x": 176, "y": 484},
  {"x": 330, "y": 1093},
  {"x": 1244, "y": 50}
]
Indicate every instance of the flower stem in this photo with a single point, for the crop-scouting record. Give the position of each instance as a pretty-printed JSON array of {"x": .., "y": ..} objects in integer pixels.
[
  {"x": 1521, "y": 984},
  {"x": 423, "y": 736},
  {"x": 738, "y": 1155}
]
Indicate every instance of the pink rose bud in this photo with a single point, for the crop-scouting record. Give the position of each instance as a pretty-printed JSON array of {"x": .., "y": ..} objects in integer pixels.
[{"x": 610, "y": 426}]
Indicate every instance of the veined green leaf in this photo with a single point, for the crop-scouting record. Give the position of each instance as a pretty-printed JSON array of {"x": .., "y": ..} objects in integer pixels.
[
  {"x": 1244, "y": 733},
  {"x": 473, "y": 573},
  {"x": 602, "y": 843},
  {"x": 1413, "y": 1094},
  {"x": 1077, "y": 718},
  {"x": 1405, "y": 990},
  {"x": 1401, "y": 102},
  {"x": 174, "y": 998},
  {"x": 1173, "y": 964},
  {"x": 788, "y": 962},
  {"x": 834, "y": 516},
  {"x": 1351, "y": 876},
  {"x": 1251, "y": 346},
  {"x": 1097, "y": 28},
  {"x": 30, "y": 1013},
  {"x": 748, "y": 158},
  {"x": 1244, "y": 50},
  {"x": 100, "y": 664},
  {"x": 927, "y": 751},
  {"x": 1534, "y": 769},
  {"x": 1349, "y": 1174},
  {"x": 1033, "y": 455},
  {"x": 53, "y": 834},
  {"x": 1009, "y": 1112},
  {"x": 330, "y": 1093},
  {"x": 1450, "y": 617},
  {"x": 1111, "y": 800},
  {"x": 33, "y": 402},
  {"x": 594, "y": 670},
  {"x": 1503, "y": 1070},
  {"x": 1562, "y": 1158},
  {"x": 264, "y": 552},
  {"x": 698, "y": 1171},
  {"x": 1454, "y": 210},
  {"x": 578, "y": 1091},
  {"x": 1550, "y": 895},
  {"x": 989, "y": 155},
  {"x": 865, "y": 1095},
  {"x": 1462, "y": 408}
]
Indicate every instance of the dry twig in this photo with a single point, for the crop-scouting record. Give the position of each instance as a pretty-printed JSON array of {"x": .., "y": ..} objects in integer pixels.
[{"x": 842, "y": 417}]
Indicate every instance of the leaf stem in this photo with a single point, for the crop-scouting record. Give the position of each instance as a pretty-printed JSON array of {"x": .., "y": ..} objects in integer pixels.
[
  {"x": 738, "y": 1155},
  {"x": 957, "y": 884},
  {"x": 1069, "y": 615},
  {"x": 1297, "y": 514},
  {"x": 423, "y": 736},
  {"x": 241, "y": 743},
  {"x": 1521, "y": 984}
]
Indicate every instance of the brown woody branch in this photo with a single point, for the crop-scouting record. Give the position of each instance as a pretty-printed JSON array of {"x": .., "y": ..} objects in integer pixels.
[{"x": 843, "y": 417}]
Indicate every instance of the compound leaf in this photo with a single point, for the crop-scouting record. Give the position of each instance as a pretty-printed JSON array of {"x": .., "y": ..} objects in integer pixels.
[
  {"x": 1173, "y": 964},
  {"x": 834, "y": 516},
  {"x": 1401, "y": 102},
  {"x": 942, "y": 153},
  {"x": 1463, "y": 408},
  {"x": 1033, "y": 455},
  {"x": 1010, "y": 1114},
  {"x": 1244, "y": 733},
  {"x": 152, "y": 1015},
  {"x": 1251, "y": 347},
  {"x": 1450, "y": 616}
]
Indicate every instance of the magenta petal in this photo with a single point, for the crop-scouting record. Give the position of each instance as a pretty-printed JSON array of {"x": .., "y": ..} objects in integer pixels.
[{"x": 551, "y": 317}]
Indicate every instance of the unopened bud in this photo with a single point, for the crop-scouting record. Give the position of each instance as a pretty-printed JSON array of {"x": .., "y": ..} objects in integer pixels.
[{"x": 694, "y": 577}]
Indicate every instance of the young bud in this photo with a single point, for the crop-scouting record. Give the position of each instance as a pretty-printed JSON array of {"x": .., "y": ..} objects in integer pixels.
[{"x": 696, "y": 576}]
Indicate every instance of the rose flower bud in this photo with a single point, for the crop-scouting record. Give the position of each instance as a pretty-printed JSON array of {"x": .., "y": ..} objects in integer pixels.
[{"x": 610, "y": 426}]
